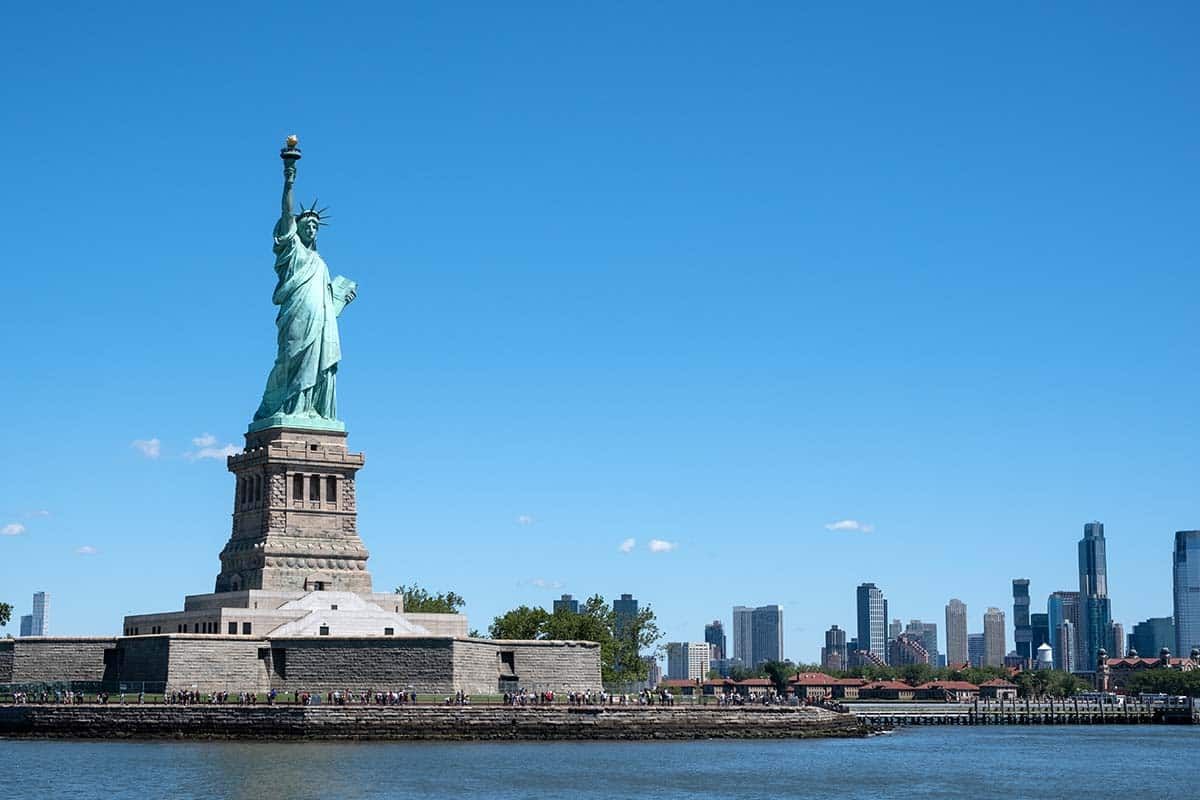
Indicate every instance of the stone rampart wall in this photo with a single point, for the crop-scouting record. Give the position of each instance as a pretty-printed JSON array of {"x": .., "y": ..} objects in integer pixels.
[
  {"x": 326, "y": 663},
  {"x": 6, "y": 661},
  {"x": 218, "y": 663},
  {"x": 556, "y": 666},
  {"x": 422, "y": 722},
  {"x": 56, "y": 659}
]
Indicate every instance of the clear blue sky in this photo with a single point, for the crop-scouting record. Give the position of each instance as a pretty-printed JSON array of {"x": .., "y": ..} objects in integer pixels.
[{"x": 714, "y": 275}]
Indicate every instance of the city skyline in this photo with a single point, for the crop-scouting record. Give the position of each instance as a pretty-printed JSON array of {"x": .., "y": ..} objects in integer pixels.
[{"x": 761, "y": 277}]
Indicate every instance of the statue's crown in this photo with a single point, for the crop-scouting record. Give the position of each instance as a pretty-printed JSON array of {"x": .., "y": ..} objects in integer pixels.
[{"x": 312, "y": 211}]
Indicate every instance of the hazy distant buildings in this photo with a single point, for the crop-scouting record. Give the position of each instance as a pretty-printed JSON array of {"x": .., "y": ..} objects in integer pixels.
[
  {"x": 1187, "y": 592},
  {"x": 1150, "y": 636},
  {"x": 714, "y": 634},
  {"x": 975, "y": 649},
  {"x": 927, "y": 632},
  {"x": 27, "y": 625},
  {"x": 566, "y": 603},
  {"x": 688, "y": 661},
  {"x": 872, "y": 620},
  {"x": 835, "y": 653},
  {"x": 906, "y": 650},
  {"x": 994, "y": 640},
  {"x": 1095, "y": 610},
  {"x": 956, "y": 632},
  {"x": 1022, "y": 629},
  {"x": 40, "y": 618}
]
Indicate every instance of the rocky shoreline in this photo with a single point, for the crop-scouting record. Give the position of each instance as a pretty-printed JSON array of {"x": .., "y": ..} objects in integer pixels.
[{"x": 422, "y": 723}]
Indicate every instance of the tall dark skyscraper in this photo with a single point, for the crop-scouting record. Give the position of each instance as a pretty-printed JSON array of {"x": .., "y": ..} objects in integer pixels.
[
  {"x": 1039, "y": 624},
  {"x": 714, "y": 634},
  {"x": 566, "y": 603},
  {"x": 872, "y": 620},
  {"x": 1187, "y": 592},
  {"x": 1064, "y": 607},
  {"x": 1022, "y": 630},
  {"x": 1096, "y": 612},
  {"x": 1152, "y": 635},
  {"x": 1093, "y": 564},
  {"x": 625, "y": 610}
]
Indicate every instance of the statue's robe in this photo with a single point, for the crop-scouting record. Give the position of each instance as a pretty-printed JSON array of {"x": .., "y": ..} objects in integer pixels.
[{"x": 303, "y": 380}]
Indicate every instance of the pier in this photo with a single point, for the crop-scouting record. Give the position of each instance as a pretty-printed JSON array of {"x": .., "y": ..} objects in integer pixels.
[{"x": 1023, "y": 712}]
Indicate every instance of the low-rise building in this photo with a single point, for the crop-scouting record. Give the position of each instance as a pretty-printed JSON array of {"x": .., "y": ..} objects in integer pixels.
[
  {"x": 888, "y": 690},
  {"x": 949, "y": 691},
  {"x": 998, "y": 689}
]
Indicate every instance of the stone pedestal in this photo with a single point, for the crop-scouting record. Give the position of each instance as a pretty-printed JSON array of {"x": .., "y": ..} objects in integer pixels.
[{"x": 295, "y": 522}]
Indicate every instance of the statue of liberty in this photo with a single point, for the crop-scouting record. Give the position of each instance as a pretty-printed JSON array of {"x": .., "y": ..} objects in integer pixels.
[{"x": 302, "y": 387}]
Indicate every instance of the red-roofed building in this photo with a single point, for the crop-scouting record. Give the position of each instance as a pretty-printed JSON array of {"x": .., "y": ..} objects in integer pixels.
[
  {"x": 1114, "y": 674},
  {"x": 848, "y": 688},
  {"x": 949, "y": 691},
  {"x": 998, "y": 689},
  {"x": 812, "y": 685},
  {"x": 888, "y": 690},
  {"x": 679, "y": 686}
]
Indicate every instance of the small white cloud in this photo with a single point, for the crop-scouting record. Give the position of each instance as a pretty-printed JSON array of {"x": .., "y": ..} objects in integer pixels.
[
  {"x": 204, "y": 440},
  {"x": 39, "y": 512},
  {"x": 850, "y": 525},
  {"x": 627, "y": 545},
  {"x": 12, "y": 529},
  {"x": 148, "y": 447},
  {"x": 86, "y": 550},
  {"x": 661, "y": 546},
  {"x": 207, "y": 444},
  {"x": 542, "y": 583},
  {"x": 526, "y": 519}
]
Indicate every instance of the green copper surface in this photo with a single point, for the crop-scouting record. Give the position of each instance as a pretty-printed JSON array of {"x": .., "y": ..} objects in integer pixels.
[{"x": 301, "y": 390}]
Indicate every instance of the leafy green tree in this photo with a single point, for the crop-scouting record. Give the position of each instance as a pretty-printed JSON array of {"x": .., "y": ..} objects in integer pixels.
[
  {"x": 5, "y": 614},
  {"x": 620, "y": 655},
  {"x": 779, "y": 672},
  {"x": 1166, "y": 681},
  {"x": 916, "y": 674},
  {"x": 522, "y": 622},
  {"x": 419, "y": 601}
]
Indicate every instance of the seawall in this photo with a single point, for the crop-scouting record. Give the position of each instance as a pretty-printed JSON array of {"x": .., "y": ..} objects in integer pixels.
[{"x": 421, "y": 723}]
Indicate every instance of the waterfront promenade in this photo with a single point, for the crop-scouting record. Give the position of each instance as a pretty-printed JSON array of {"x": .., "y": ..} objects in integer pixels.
[{"x": 1021, "y": 712}]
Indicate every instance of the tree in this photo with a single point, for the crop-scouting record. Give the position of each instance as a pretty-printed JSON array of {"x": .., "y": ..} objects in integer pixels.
[
  {"x": 620, "y": 656},
  {"x": 779, "y": 672},
  {"x": 1165, "y": 681},
  {"x": 522, "y": 622},
  {"x": 5, "y": 614},
  {"x": 420, "y": 601}
]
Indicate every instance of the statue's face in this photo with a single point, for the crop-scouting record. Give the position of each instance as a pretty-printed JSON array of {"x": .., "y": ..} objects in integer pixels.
[{"x": 308, "y": 230}]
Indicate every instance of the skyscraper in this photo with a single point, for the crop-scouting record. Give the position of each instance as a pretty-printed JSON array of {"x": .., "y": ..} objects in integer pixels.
[
  {"x": 1095, "y": 611},
  {"x": 687, "y": 660},
  {"x": 975, "y": 649},
  {"x": 767, "y": 634},
  {"x": 1152, "y": 635},
  {"x": 928, "y": 633},
  {"x": 1093, "y": 563},
  {"x": 956, "y": 632},
  {"x": 714, "y": 634},
  {"x": 835, "y": 654},
  {"x": 1064, "y": 607},
  {"x": 1187, "y": 592},
  {"x": 1022, "y": 629},
  {"x": 743, "y": 634},
  {"x": 994, "y": 639},
  {"x": 625, "y": 611},
  {"x": 872, "y": 620},
  {"x": 1039, "y": 625},
  {"x": 26, "y": 625},
  {"x": 1066, "y": 648},
  {"x": 566, "y": 603},
  {"x": 41, "y": 614},
  {"x": 906, "y": 649},
  {"x": 1116, "y": 640}
]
